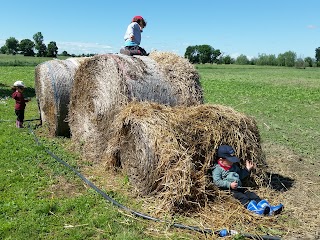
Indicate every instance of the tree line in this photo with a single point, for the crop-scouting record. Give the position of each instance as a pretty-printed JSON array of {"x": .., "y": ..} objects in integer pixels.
[
  {"x": 33, "y": 48},
  {"x": 201, "y": 54},
  {"x": 27, "y": 47}
]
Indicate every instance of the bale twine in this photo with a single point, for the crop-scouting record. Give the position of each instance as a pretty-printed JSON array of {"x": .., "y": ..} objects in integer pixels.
[
  {"x": 53, "y": 83},
  {"x": 105, "y": 83},
  {"x": 169, "y": 150}
]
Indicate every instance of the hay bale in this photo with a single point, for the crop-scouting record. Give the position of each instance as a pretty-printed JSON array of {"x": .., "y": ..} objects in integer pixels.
[
  {"x": 169, "y": 150},
  {"x": 181, "y": 73},
  {"x": 53, "y": 83},
  {"x": 105, "y": 83}
]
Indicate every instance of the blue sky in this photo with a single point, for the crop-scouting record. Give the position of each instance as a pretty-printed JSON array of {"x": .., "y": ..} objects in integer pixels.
[{"x": 248, "y": 27}]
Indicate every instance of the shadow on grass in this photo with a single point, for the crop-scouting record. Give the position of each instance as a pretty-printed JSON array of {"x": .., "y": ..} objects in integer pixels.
[
  {"x": 280, "y": 183},
  {"x": 6, "y": 91}
]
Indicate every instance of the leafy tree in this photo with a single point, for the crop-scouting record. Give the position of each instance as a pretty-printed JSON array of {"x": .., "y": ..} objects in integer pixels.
[
  {"x": 39, "y": 45},
  {"x": 242, "y": 60},
  {"x": 290, "y": 58},
  {"x": 65, "y": 53},
  {"x": 3, "y": 49},
  {"x": 52, "y": 49},
  {"x": 38, "y": 38},
  {"x": 272, "y": 60},
  {"x": 309, "y": 62},
  {"x": 26, "y": 47},
  {"x": 192, "y": 54},
  {"x": 281, "y": 59},
  {"x": 12, "y": 45},
  {"x": 264, "y": 59},
  {"x": 205, "y": 52},
  {"x": 287, "y": 59},
  {"x": 227, "y": 60},
  {"x": 216, "y": 53},
  {"x": 42, "y": 50},
  {"x": 202, "y": 54},
  {"x": 318, "y": 56}
]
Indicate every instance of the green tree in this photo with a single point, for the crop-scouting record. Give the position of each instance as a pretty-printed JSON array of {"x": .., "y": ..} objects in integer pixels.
[
  {"x": 290, "y": 58},
  {"x": 12, "y": 45},
  {"x": 65, "y": 53},
  {"x": 318, "y": 56},
  {"x": 52, "y": 49},
  {"x": 216, "y": 54},
  {"x": 242, "y": 60},
  {"x": 192, "y": 54},
  {"x": 281, "y": 59},
  {"x": 202, "y": 54},
  {"x": 39, "y": 45},
  {"x": 309, "y": 62},
  {"x": 26, "y": 47},
  {"x": 227, "y": 60},
  {"x": 3, "y": 49},
  {"x": 205, "y": 52}
]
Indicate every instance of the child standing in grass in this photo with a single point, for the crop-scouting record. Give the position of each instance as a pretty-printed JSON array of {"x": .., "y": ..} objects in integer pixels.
[
  {"x": 228, "y": 175},
  {"x": 18, "y": 88}
]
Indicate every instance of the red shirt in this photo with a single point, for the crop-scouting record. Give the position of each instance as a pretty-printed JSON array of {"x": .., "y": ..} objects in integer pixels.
[{"x": 20, "y": 101}]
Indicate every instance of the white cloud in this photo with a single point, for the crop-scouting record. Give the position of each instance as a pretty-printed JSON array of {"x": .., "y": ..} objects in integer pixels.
[
  {"x": 83, "y": 47},
  {"x": 312, "y": 26},
  {"x": 78, "y": 47}
]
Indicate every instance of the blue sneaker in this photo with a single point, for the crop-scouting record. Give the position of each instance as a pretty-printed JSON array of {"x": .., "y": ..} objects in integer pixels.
[
  {"x": 263, "y": 204},
  {"x": 252, "y": 207}
]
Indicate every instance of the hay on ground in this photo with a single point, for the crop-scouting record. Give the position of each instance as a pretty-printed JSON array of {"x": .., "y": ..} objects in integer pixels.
[
  {"x": 168, "y": 151},
  {"x": 106, "y": 83},
  {"x": 53, "y": 83}
]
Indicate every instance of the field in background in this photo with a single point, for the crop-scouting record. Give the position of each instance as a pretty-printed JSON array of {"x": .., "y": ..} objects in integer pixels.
[
  {"x": 284, "y": 101},
  {"x": 20, "y": 60},
  {"x": 40, "y": 199}
]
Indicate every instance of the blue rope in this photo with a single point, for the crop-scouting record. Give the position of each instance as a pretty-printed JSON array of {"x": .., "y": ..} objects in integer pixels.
[{"x": 138, "y": 214}]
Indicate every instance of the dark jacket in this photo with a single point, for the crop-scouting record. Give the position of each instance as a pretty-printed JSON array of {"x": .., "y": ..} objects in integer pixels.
[{"x": 20, "y": 101}]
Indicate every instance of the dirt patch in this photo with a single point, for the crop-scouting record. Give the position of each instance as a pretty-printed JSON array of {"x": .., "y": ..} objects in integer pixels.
[
  {"x": 302, "y": 199},
  {"x": 62, "y": 187}
]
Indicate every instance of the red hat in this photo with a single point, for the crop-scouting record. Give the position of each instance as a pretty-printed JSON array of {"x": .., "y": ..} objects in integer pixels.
[{"x": 137, "y": 18}]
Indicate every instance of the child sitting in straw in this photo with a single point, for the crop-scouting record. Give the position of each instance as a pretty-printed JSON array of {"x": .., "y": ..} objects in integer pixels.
[{"x": 228, "y": 175}]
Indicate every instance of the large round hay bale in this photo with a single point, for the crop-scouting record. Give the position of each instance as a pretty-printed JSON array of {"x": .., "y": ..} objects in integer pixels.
[
  {"x": 53, "y": 83},
  {"x": 169, "y": 150},
  {"x": 105, "y": 83}
]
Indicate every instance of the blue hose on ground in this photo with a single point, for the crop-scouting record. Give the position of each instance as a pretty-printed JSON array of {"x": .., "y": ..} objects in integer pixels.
[{"x": 135, "y": 213}]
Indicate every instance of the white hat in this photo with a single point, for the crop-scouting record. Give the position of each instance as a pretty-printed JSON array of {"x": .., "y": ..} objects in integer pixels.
[{"x": 19, "y": 84}]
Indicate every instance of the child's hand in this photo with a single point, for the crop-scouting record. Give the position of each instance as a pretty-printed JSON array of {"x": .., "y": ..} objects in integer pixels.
[
  {"x": 234, "y": 185},
  {"x": 249, "y": 165}
]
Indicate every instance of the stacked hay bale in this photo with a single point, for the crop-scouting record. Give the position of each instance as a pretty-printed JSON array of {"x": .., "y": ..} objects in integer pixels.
[
  {"x": 106, "y": 83},
  {"x": 53, "y": 83},
  {"x": 169, "y": 150}
]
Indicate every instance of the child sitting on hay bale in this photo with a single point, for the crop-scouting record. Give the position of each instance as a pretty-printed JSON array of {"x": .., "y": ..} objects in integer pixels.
[
  {"x": 132, "y": 37},
  {"x": 228, "y": 175}
]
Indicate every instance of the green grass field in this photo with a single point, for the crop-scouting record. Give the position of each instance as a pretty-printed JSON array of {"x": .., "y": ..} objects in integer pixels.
[
  {"x": 20, "y": 60},
  {"x": 40, "y": 199},
  {"x": 284, "y": 101}
]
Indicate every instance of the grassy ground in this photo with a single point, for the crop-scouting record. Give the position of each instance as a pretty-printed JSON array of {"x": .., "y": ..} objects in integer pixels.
[
  {"x": 40, "y": 199},
  {"x": 20, "y": 60}
]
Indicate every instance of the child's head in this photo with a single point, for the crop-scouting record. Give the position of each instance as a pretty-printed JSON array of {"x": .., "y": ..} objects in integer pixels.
[
  {"x": 227, "y": 155},
  {"x": 18, "y": 85},
  {"x": 140, "y": 20}
]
